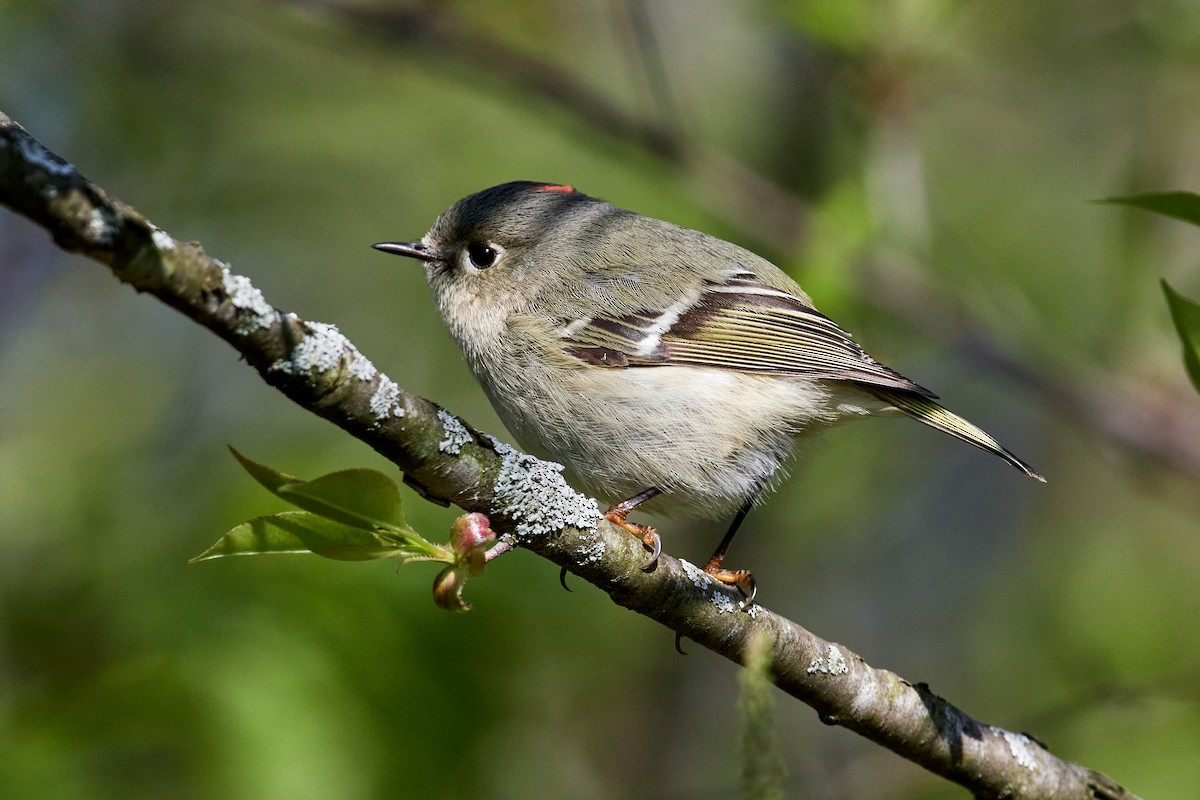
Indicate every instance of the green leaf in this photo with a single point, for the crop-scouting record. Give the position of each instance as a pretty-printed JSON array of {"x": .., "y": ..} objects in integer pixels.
[
  {"x": 1186, "y": 315},
  {"x": 302, "y": 532},
  {"x": 269, "y": 478},
  {"x": 1180, "y": 205},
  {"x": 352, "y": 515},
  {"x": 362, "y": 498},
  {"x": 254, "y": 537}
]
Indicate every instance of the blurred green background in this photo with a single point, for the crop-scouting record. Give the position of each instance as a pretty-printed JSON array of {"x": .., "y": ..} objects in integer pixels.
[{"x": 923, "y": 168}]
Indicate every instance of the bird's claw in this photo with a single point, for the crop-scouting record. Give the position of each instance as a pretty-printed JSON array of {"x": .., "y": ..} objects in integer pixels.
[
  {"x": 648, "y": 536},
  {"x": 742, "y": 579},
  {"x": 750, "y": 593},
  {"x": 655, "y": 545}
]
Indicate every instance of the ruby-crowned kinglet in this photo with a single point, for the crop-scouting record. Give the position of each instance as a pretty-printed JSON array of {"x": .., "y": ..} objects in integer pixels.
[{"x": 655, "y": 362}]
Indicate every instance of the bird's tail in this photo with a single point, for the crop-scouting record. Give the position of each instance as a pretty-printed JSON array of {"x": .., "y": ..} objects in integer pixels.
[{"x": 935, "y": 416}]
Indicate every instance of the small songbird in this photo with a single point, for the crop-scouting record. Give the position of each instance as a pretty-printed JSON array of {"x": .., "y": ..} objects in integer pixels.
[{"x": 658, "y": 363}]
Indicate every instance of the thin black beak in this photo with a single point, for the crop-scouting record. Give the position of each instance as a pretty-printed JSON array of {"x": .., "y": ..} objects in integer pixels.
[{"x": 415, "y": 250}]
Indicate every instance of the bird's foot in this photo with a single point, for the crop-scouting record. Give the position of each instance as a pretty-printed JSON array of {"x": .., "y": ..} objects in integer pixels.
[
  {"x": 741, "y": 578},
  {"x": 648, "y": 536}
]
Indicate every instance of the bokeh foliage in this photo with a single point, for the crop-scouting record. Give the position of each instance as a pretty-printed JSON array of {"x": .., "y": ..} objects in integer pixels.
[{"x": 943, "y": 154}]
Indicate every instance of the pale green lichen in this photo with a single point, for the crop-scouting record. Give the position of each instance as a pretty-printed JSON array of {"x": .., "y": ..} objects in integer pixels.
[
  {"x": 535, "y": 496},
  {"x": 360, "y": 367},
  {"x": 243, "y": 295},
  {"x": 386, "y": 400},
  {"x": 593, "y": 551},
  {"x": 830, "y": 663},
  {"x": 1020, "y": 746},
  {"x": 718, "y": 595},
  {"x": 162, "y": 240},
  {"x": 456, "y": 436},
  {"x": 321, "y": 350}
]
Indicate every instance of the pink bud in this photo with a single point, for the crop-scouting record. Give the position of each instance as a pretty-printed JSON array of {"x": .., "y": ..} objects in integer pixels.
[
  {"x": 471, "y": 532},
  {"x": 471, "y": 536}
]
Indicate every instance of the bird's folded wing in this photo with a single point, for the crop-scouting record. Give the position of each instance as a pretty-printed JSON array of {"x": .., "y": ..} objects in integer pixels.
[{"x": 738, "y": 324}]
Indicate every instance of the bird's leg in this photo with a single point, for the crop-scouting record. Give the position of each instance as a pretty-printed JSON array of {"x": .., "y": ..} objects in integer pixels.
[
  {"x": 616, "y": 515},
  {"x": 736, "y": 577}
]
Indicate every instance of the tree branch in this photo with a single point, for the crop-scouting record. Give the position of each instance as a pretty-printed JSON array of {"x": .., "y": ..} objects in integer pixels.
[{"x": 527, "y": 500}]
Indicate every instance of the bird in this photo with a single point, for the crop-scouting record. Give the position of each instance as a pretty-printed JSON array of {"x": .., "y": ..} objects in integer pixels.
[{"x": 661, "y": 365}]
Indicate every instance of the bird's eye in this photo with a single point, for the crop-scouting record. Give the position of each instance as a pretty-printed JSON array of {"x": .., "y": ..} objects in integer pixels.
[{"x": 482, "y": 255}]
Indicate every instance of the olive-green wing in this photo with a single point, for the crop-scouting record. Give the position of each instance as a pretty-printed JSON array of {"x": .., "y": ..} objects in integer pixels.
[
  {"x": 740, "y": 324},
  {"x": 743, "y": 324}
]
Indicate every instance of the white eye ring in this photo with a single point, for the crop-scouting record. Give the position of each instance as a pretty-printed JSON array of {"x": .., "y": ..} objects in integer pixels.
[{"x": 482, "y": 255}]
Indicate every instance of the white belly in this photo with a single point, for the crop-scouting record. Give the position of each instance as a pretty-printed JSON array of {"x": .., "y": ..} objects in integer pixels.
[{"x": 708, "y": 438}]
